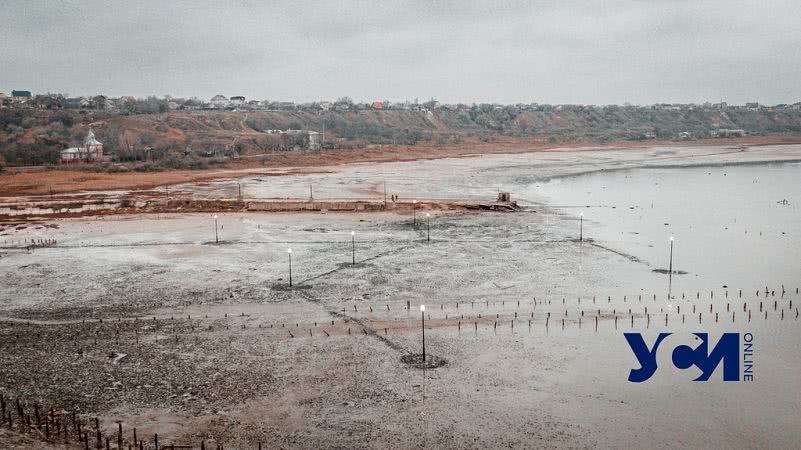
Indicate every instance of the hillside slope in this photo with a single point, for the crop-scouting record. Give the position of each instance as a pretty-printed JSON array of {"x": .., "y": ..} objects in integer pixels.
[{"x": 36, "y": 136}]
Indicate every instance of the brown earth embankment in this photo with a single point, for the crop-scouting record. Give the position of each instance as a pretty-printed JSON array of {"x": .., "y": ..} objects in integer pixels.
[
  {"x": 42, "y": 181},
  {"x": 36, "y": 211}
]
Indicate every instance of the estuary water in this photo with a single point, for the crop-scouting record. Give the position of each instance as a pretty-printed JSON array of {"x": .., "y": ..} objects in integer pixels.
[{"x": 733, "y": 226}]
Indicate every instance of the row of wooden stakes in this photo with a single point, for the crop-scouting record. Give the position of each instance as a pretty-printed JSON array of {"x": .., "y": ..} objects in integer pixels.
[{"x": 59, "y": 426}]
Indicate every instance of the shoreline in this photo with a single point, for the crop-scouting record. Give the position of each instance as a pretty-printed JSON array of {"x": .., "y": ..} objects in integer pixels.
[
  {"x": 60, "y": 181},
  {"x": 674, "y": 166},
  {"x": 37, "y": 208}
]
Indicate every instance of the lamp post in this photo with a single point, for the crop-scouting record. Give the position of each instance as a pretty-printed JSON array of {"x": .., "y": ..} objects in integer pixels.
[
  {"x": 581, "y": 226},
  {"x": 423, "y": 314},
  {"x": 289, "y": 252},
  {"x": 216, "y": 236},
  {"x": 353, "y": 246},
  {"x": 428, "y": 227},
  {"x": 414, "y": 212},
  {"x": 670, "y": 270}
]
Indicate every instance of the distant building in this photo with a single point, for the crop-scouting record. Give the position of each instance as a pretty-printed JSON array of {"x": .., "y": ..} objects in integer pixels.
[
  {"x": 90, "y": 151},
  {"x": 237, "y": 100},
  {"x": 21, "y": 96},
  {"x": 315, "y": 140},
  {"x": 378, "y": 105},
  {"x": 299, "y": 139},
  {"x": 219, "y": 101},
  {"x": 99, "y": 102}
]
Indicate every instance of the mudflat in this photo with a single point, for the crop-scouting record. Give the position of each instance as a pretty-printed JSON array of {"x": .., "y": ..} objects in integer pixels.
[{"x": 149, "y": 321}]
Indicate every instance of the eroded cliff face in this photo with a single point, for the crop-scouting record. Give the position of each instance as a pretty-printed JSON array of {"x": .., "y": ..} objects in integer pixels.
[{"x": 37, "y": 136}]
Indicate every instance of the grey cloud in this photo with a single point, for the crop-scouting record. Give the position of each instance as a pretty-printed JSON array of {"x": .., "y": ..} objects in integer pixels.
[{"x": 457, "y": 51}]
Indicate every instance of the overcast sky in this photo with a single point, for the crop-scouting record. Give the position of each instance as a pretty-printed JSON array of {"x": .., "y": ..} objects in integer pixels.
[{"x": 594, "y": 52}]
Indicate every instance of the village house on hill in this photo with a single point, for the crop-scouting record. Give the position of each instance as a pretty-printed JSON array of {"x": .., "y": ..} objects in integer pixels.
[
  {"x": 219, "y": 101},
  {"x": 90, "y": 151},
  {"x": 21, "y": 96}
]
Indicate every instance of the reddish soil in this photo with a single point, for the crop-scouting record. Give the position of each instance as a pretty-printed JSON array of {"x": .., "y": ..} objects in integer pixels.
[{"x": 40, "y": 180}]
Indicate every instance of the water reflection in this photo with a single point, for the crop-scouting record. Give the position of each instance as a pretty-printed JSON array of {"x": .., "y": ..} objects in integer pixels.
[{"x": 732, "y": 229}]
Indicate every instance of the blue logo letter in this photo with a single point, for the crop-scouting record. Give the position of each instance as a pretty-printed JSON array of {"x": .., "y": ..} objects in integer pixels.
[
  {"x": 646, "y": 357},
  {"x": 727, "y": 349}
]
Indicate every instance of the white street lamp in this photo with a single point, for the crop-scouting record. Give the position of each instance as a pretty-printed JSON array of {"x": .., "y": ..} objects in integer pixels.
[
  {"x": 289, "y": 252},
  {"x": 216, "y": 236},
  {"x": 353, "y": 246},
  {"x": 423, "y": 314},
  {"x": 670, "y": 270},
  {"x": 428, "y": 227}
]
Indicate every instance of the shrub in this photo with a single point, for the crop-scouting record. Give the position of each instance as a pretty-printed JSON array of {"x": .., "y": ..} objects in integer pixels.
[{"x": 148, "y": 167}]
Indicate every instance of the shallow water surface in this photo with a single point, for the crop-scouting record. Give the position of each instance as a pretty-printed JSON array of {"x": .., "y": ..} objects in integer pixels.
[{"x": 733, "y": 225}]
